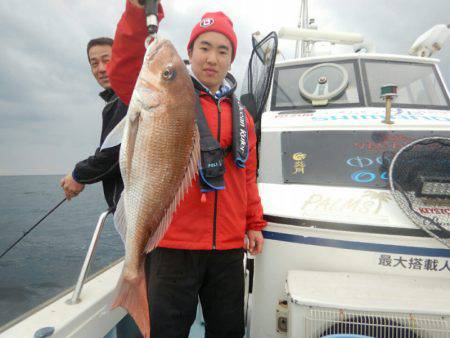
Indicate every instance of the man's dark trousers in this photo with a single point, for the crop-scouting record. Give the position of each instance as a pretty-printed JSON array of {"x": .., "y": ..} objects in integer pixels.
[{"x": 176, "y": 279}]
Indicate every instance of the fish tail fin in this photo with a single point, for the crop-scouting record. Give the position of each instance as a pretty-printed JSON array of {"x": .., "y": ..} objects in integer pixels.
[{"x": 132, "y": 296}]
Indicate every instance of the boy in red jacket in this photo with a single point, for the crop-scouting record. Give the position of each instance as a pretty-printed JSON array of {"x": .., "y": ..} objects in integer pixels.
[{"x": 201, "y": 255}]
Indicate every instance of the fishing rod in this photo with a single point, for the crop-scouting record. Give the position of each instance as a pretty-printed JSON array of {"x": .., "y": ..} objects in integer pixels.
[
  {"x": 151, "y": 14},
  {"x": 34, "y": 226}
]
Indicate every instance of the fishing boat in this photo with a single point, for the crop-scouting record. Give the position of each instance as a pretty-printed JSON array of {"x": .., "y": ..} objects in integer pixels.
[{"x": 340, "y": 255}]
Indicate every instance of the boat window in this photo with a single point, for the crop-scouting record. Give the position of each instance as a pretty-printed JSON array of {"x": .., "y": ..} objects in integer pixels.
[
  {"x": 339, "y": 158},
  {"x": 287, "y": 91},
  {"x": 419, "y": 85}
]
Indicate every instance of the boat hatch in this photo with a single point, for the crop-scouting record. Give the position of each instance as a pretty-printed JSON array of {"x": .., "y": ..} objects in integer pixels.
[{"x": 357, "y": 83}]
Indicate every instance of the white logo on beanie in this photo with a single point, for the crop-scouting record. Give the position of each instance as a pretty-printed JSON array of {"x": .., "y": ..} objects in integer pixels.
[{"x": 206, "y": 22}]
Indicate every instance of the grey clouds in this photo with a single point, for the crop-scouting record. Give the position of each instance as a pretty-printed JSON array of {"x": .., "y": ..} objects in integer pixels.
[{"x": 49, "y": 108}]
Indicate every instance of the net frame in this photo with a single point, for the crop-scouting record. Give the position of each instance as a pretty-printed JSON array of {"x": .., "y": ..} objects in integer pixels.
[
  {"x": 259, "y": 72},
  {"x": 429, "y": 225},
  {"x": 258, "y": 80}
]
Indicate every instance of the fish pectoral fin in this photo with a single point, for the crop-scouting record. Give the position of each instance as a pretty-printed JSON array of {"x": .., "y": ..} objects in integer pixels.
[
  {"x": 114, "y": 138},
  {"x": 147, "y": 96},
  {"x": 191, "y": 171},
  {"x": 132, "y": 296},
  {"x": 133, "y": 114},
  {"x": 120, "y": 221}
]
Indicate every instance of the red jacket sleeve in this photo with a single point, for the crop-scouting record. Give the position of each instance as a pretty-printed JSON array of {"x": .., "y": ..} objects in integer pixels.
[
  {"x": 255, "y": 219},
  {"x": 128, "y": 50}
]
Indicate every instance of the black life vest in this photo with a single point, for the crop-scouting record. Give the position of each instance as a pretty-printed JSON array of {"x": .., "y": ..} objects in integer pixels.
[{"x": 212, "y": 166}]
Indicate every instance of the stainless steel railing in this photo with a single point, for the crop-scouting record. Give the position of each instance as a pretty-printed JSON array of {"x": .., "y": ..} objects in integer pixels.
[{"x": 87, "y": 261}]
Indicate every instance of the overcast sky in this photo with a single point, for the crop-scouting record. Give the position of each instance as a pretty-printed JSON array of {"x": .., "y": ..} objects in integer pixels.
[{"x": 49, "y": 109}]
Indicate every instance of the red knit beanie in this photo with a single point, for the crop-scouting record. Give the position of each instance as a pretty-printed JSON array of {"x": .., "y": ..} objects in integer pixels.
[{"x": 215, "y": 22}]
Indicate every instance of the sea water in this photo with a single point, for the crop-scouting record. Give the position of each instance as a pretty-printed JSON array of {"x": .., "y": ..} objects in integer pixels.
[{"x": 48, "y": 260}]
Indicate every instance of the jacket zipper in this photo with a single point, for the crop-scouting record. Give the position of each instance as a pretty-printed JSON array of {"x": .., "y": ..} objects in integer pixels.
[
  {"x": 214, "y": 221},
  {"x": 216, "y": 195}
]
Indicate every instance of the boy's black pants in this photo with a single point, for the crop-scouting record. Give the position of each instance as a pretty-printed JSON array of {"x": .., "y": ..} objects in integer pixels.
[{"x": 176, "y": 279}]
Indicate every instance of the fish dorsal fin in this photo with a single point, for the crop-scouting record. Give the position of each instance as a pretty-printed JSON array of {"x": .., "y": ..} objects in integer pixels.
[{"x": 189, "y": 175}]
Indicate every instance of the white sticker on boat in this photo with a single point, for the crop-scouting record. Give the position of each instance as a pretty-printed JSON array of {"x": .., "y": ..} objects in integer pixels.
[{"x": 369, "y": 114}]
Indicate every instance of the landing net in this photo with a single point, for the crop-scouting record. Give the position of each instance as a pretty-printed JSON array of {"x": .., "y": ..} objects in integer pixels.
[{"x": 419, "y": 177}]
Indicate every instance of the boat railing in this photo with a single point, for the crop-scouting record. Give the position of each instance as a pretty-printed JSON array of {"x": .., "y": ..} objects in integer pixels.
[{"x": 75, "y": 299}]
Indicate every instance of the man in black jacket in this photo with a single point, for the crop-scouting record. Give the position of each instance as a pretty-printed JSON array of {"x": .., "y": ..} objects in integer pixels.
[{"x": 103, "y": 165}]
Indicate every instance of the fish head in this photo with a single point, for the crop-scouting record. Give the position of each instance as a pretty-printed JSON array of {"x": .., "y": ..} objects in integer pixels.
[{"x": 164, "y": 79}]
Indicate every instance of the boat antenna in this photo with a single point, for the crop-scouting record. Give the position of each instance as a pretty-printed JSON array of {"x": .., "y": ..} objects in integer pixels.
[
  {"x": 34, "y": 226},
  {"x": 303, "y": 22}
]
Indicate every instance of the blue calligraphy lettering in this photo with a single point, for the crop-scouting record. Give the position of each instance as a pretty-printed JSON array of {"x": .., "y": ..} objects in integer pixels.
[
  {"x": 380, "y": 160},
  {"x": 359, "y": 162},
  {"x": 363, "y": 176}
]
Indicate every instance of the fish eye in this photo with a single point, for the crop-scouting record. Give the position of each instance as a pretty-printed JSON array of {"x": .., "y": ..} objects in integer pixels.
[{"x": 168, "y": 73}]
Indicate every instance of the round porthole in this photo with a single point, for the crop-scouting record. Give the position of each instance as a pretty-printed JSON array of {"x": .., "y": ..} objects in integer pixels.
[{"x": 323, "y": 82}]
